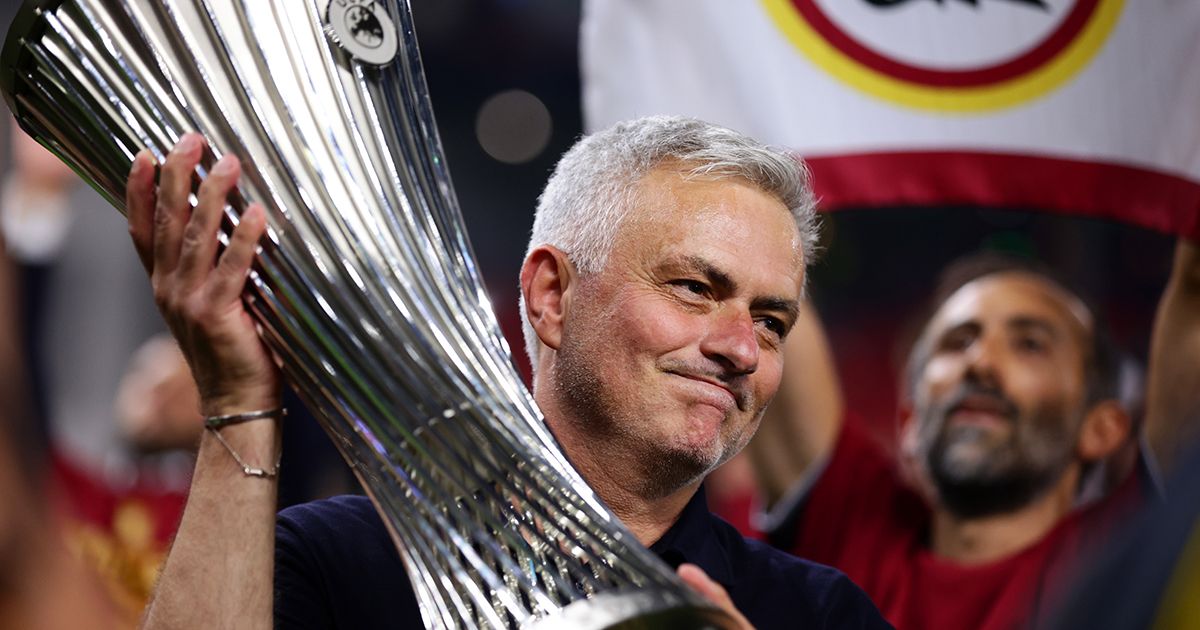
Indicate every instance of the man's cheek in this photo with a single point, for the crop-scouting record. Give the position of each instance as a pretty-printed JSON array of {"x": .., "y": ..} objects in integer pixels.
[
  {"x": 939, "y": 376},
  {"x": 1031, "y": 393},
  {"x": 769, "y": 378}
]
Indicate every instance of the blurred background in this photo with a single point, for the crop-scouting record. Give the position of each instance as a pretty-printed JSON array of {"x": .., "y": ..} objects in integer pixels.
[{"x": 114, "y": 416}]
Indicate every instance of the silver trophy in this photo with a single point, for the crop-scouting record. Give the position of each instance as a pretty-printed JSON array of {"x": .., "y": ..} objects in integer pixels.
[{"x": 365, "y": 286}]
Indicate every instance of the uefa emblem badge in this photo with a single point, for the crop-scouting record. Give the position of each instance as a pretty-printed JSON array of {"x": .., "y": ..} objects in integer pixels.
[{"x": 363, "y": 29}]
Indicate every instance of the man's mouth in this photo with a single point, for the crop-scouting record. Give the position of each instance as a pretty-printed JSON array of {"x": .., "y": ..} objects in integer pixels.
[
  {"x": 713, "y": 390},
  {"x": 982, "y": 409}
]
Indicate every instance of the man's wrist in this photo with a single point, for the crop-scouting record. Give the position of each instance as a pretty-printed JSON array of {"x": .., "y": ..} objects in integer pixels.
[
  {"x": 252, "y": 447},
  {"x": 240, "y": 402},
  {"x": 219, "y": 422}
]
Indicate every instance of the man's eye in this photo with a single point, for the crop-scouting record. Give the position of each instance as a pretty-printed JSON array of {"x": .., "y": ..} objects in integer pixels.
[
  {"x": 955, "y": 343},
  {"x": 692, "y": 286},
  {"x": 774, "y": 325},
  {"x": 1031, "y": 344}
]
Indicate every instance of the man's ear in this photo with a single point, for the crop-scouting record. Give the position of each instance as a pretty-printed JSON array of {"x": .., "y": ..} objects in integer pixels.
[
  {"x": 1105, "y": 428},
  {"x": 547, "y": 277}
]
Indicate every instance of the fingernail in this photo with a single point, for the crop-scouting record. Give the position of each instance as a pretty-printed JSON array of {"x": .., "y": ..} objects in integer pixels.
[
  {"x": 224, "y": 166},
  {"x": 187, "y": 143}
]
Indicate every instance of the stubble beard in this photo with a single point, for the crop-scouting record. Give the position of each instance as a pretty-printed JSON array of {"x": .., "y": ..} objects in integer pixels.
[
  {"x": 650, "y": 467},
  {"x": 974, "y": 479}
]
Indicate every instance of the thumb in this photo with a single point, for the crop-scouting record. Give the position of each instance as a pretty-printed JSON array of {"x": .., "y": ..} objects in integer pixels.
[{"x": 696, "y": 578}]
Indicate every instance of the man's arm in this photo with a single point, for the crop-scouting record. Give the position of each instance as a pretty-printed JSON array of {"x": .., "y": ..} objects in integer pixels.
[
  {"x": 802, "y": 423},
  {"x": 1173, "y": 387},
  {"x": 218, "y": 573}
]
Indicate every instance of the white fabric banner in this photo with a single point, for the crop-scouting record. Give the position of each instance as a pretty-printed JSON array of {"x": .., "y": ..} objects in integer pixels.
[{"x": 1082, "y": 106}]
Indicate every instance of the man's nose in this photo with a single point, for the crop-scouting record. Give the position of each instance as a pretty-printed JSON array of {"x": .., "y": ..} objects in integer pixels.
[
  {"x": 983, "y": 359},
  {"x": 732, "y": 341}
]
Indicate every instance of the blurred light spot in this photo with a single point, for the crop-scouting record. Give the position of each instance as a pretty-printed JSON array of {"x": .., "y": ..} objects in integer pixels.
[{"x": 513, "y": 126}]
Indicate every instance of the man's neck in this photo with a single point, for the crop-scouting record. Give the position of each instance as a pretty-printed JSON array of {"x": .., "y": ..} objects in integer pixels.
[
  {"x": 617, "y": 477},
  {"x": 973, "y": 541},
  {"x": 622, "y": 487},
  {"x": 648, "y": 517}
]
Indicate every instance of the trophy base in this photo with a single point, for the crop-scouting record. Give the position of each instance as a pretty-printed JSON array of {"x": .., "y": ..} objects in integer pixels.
[{"x": 635, "y": 610}]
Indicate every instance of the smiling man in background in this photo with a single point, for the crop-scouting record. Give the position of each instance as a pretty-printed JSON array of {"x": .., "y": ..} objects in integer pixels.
[{"x": 1011, "y": 398}]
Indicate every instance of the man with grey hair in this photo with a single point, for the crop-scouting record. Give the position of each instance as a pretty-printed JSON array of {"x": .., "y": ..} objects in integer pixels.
[
  {"x": 665, "y": 269},
  {"x": 592, "y": 188}
]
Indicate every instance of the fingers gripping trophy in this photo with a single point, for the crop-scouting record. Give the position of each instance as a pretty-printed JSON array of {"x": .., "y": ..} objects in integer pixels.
[{"x": 364, "y": 285}]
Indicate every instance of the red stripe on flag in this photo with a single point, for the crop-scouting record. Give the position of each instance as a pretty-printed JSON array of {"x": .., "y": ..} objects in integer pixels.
[
  {"x": 1062, "y": 37},
  {"x": 1150, "y": 199}
]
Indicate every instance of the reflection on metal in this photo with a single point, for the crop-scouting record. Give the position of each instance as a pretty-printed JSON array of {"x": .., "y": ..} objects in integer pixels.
[{"x": 365, "y": 286}]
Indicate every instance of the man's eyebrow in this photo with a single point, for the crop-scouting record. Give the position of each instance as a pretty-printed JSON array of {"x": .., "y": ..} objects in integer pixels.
[
  {"x": 1027, "y": 322},
  {"x": 726, "y": 284},
  {"x": 715, "y": 276},
  {"x": 790, "y": 308},
  {"x": 967, "y": 326}
]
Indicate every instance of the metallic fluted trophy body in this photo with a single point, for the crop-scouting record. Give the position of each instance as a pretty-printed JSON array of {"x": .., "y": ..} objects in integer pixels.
[{"x": 365, "y": 287}]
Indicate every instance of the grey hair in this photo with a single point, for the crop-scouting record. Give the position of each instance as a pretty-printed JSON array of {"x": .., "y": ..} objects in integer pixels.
[{"x": 592, "y": 188}]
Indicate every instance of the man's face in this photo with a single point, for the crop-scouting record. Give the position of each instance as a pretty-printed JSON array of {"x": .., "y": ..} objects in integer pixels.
[
  {"x": 1002, "y": 394},
  {"x": 671, "y": 352}
]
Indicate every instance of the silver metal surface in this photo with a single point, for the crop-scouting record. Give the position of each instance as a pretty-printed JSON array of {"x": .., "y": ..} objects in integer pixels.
[{"x": 365, "y": 286}]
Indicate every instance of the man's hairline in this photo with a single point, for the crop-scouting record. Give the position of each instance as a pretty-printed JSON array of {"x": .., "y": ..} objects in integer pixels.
[{"x": 632, "y": 199}]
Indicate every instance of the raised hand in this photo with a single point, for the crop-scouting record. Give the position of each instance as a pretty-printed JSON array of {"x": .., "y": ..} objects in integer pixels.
[
  {"x": 212, "y": 578},
  {"x": 197, "y": 291}
]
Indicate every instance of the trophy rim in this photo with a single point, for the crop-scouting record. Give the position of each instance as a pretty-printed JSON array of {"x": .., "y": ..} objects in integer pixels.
[{"x": 23, "y": 25}]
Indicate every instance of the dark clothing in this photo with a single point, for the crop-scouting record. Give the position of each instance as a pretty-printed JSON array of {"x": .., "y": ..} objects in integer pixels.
[
  {"x": 336, "y": 567},
  {"x": 1149, "y": 576}
]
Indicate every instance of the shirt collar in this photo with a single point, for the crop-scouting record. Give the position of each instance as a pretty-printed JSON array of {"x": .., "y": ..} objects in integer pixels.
[{"x": 693, "y": 539}]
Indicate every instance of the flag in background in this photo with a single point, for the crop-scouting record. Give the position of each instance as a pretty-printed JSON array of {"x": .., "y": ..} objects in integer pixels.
[{"x": 1078, "y": 106}]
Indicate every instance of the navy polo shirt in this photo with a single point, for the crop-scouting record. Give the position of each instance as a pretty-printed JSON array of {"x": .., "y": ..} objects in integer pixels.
[{"x": 336, "y": 567}]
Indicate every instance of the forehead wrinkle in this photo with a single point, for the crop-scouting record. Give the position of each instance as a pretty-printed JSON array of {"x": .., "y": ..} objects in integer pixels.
[
  {"x": 1043, "y": 291},
  {"x": 1020, "y": 321},
  {"x": 1052, "y": 294},
  {"x": 664, "y": 193},
  {"x": 662, "y": 182}
]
